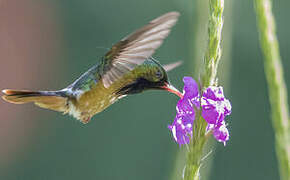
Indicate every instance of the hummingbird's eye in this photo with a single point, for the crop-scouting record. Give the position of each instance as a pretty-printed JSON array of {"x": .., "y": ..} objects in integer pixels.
[{"x": 159, "y": 74}]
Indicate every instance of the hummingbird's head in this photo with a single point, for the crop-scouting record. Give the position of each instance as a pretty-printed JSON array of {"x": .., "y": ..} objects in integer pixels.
[{"x": 151, "y": 75}]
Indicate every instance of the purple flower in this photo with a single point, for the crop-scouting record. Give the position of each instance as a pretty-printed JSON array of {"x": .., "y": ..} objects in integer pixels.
[
  {"x": 220, "y": 132},
  {"x": 182, "y": 128},
  {"x": 214, "y": 108},
  {"x": 182, "y": 125}
]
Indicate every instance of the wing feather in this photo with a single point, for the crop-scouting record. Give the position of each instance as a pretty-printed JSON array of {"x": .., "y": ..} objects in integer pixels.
[{"x": 134, "y": 49}]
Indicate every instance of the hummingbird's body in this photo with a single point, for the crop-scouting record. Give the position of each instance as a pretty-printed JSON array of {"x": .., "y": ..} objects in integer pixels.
[
  {"x": 126, "y": 69},
  {"x": 89, "y": 96}
]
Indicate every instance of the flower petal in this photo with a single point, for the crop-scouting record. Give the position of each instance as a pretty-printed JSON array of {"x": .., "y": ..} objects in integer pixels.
[
  {"x": 183, "y": 106},
  {"x": 227, "y": 107},
  {"x": 214, "y": 105},
  {"x": 181, "y": 128},
  {"x": 190, "y": 87},
  {"x": 214, "y": 93},
  {"x": 221, "y": 134}
]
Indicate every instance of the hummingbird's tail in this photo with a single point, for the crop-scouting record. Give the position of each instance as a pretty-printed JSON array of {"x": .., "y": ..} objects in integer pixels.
[{"x": 54, "y": 100}]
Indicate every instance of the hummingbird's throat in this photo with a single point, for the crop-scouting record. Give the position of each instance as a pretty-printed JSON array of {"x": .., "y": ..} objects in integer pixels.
[{"x": 172, "y": 89}]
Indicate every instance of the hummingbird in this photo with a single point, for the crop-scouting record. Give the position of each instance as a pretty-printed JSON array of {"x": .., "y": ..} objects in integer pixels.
[{"x": 127, "y": 68}]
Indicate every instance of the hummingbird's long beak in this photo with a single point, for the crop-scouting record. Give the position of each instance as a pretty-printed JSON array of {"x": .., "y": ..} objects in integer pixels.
[{"x": 172, "y": 89}]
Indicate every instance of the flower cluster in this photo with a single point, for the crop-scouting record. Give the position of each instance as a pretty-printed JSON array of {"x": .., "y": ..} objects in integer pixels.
[{"x": 214, "y": 108}]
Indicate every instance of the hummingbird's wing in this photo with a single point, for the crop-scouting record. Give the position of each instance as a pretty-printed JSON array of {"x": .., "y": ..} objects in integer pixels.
[
  {"x": 169, "y": 67},
  {"x": 134, "y": 49}
]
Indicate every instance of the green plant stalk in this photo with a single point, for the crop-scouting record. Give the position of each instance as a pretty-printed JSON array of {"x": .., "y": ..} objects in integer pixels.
[
  {"x": 276, "y": 85},
  {"x": 212, "y": 57},
  {"x": 213, "y": 51}
]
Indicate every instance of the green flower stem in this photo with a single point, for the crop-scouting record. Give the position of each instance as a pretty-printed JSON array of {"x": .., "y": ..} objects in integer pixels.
[
  {"x": 195, "y": 150},
  {"x": 212, "y": 57},
  {"x": 276, "y": 85}
]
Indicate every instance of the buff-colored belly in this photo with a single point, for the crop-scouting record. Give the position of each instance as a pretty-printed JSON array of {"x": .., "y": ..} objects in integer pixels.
[
  {"x": 95, "y": 101},
  {"x": 97, "y": 98}
]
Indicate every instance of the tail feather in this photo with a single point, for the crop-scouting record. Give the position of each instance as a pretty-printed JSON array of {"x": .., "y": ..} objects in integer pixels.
[{"x": 53, "y": 100}]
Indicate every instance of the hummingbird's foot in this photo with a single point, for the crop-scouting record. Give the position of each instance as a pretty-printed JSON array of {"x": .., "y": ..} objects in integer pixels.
[{"x": 86, "y": 120}]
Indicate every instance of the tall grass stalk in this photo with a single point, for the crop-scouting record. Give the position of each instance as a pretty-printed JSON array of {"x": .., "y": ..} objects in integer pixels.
[
  {"x": 211, "y": 60},
  {"x": 276, "y": 85}
]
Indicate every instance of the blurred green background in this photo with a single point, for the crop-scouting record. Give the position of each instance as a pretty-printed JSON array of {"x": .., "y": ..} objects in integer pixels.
[{"x": 46, "y": 45}]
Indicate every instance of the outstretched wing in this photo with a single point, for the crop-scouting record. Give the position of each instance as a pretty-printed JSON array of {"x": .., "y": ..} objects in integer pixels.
[{"x": 134, "y": 49}]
